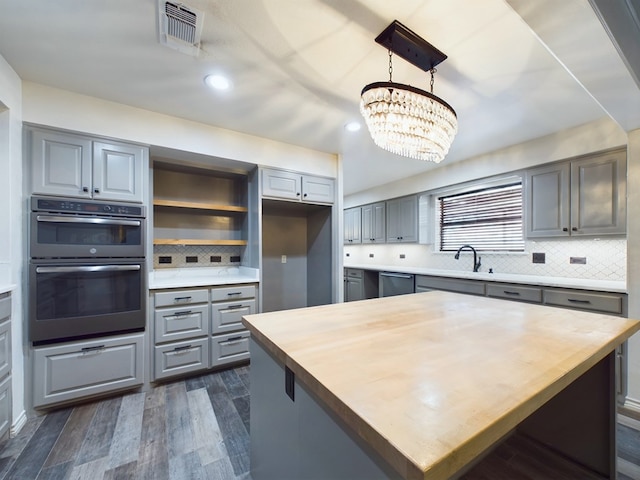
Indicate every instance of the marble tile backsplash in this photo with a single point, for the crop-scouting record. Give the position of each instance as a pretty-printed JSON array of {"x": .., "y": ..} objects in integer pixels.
[
  {"x": 196, "y": 256},
  {"x": 606, "y": 259}
]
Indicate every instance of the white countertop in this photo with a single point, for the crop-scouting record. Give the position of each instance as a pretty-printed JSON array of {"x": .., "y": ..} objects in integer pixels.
[
  {"x": 564, "y": 282},
  {"x": 4, "y": 288},
  {"x": 197, "y": 277}
]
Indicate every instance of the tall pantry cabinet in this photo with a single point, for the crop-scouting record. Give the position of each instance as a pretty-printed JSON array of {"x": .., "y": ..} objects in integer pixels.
[{"x": 296, "y": 239}]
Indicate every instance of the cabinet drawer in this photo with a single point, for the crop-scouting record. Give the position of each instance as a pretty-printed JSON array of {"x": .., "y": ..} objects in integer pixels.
[
  {"x": 80, "y": 369},
  {"x": 5, "y": 348},
  {"x": 181, "y": 297},
  {"x": 5, "y": 306},
  {"x": 514, "y": 292},
  {"x": 598, "y": 302},
  {"x": 227, "y": 316},
  {"x": 450, "y": 284},
  {"x": 5, "y": 405},
  {"x": 229, "y": 348},
  {"x": 178, "y": 323},
  {"x": 181, "y": 357},
  {"x": 233, "y": 293},
  {"x": 353, "y": 272}
]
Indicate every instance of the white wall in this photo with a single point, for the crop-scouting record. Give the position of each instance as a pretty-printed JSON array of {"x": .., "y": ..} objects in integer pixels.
[
  {"x": 62, "y": 109},
  {"x": 633, "y": 262},
  {"x": 11, "y": 238}
]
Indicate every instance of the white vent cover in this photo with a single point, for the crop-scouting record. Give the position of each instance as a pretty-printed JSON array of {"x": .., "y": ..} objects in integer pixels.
[{"x": 180, "y": 27}]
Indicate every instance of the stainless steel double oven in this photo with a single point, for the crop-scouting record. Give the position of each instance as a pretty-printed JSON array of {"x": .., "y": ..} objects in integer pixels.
[{"x": 87, "y": 273}]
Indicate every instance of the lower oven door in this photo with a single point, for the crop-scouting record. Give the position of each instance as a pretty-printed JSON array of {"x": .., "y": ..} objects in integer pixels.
[{"x": 80, "y": 300}]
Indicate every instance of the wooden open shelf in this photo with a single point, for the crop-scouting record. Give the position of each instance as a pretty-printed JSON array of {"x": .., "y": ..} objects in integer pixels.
[
  {"x": 191, "y": 241},
  {"x": 199, "y": 206}
]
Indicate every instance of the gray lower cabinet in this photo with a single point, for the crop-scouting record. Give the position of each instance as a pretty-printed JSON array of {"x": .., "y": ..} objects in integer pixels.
[
  {"x": 425, "y": 283},
  {"x": 5, "y": 363},
  {"x": 514, "y": 292},
  {"x": 610, "y": 303},
  {"x": 199, "y": 328},
  {"x": 360, "y": 284},
  {"x": 75, "y": 370}
]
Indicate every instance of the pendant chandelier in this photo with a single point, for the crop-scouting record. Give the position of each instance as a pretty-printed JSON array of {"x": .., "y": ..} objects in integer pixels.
[{"x": 406, "y": 120}]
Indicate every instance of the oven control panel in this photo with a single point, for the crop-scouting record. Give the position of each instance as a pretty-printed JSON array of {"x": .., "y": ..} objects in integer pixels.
[{"x": 66, "y": 205}]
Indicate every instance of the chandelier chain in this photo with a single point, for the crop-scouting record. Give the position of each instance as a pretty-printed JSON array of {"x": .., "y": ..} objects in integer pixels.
[
  {"x": 432, "y": 71},
  {"x": 390, "y": 65}
]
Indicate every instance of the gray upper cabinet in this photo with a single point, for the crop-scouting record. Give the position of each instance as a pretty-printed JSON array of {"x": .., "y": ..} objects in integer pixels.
[
  {"x": 374, "y": 223},
  {"x": 585, "y": 196},
  {"x": 76, "y": 166},
  {"x": 295, "y": 186},
  {"x": 352, "y": 225},
  {"x": 402, "y": 220}
]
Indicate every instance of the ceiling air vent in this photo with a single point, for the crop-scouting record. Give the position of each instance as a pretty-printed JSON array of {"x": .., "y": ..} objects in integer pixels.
[{"x": 180, "y": 27}]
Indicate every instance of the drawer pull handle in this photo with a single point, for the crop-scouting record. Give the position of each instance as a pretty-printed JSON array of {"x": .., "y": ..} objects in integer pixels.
[
  {"x": 182, "y": 349},
  {"x": 182, "y": 314},
  {"x": 95, "y": 349},
  {"x": 235, "y": 307},
  {"x": 574, "y": 300},
  {"x": 234, "y": 293},
  {"x": 233, "y": 341},
  {"x": 509, "y": 292},
  {"x": 181, "y": 299}
]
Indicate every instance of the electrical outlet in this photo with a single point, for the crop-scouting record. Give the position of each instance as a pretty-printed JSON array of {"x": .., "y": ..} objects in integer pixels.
[
  {"x": 371, "y": 255},
  {"x": 538, "y": 257},
  {"x": 348, "y": 254},
  {"x": 402, "y": 255},
  {"x": 578, "y": 260},
  {"x": 283, "y": 259}
]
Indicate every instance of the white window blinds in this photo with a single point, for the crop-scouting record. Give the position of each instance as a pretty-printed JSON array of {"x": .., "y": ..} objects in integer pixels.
[{"x": 488, "y": 219}]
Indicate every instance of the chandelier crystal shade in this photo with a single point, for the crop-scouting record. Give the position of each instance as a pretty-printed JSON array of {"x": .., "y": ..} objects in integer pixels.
[{"x": 403, "y": 119}]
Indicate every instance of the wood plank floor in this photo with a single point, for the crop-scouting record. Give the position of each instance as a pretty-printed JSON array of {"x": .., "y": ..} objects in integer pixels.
[{"x": 198, "y": 428}]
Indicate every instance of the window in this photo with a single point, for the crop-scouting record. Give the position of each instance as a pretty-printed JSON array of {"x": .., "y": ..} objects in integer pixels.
[{"x": 488, "y": 219}]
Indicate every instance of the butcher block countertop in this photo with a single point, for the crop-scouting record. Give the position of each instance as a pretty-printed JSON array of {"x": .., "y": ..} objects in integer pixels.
[{"x": 431, "y": 380}]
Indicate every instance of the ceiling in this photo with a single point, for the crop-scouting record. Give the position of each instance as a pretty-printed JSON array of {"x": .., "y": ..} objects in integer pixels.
[{"x": 516, "y": 70}]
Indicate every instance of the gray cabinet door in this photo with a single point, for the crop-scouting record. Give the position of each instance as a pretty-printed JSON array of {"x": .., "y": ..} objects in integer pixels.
[
  {"x": 354, "y": 289},
  {"x": 352, "y": 225},
  {"x": 402, "y": 220},
  {"x": 547, "y": 201},
  {"x": 373, "y": 223},
  {"x": 281, "y": 184},
  {"x": 317, "y": 189},
  {"x": 117, "y": 172},
  {"x": 60, "y": 164},
  {"x": 598, "y": 194}
]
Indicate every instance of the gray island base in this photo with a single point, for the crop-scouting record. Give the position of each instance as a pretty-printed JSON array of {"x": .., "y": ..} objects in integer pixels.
[{"x": 325, "y": 409}]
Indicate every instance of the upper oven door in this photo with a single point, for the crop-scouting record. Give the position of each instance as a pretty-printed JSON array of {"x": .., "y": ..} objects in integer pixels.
[{"x": 76, "y": 236}]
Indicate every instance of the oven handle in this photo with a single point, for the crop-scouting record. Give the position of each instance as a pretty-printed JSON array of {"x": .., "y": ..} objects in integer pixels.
[
  {"x": 91, "y": 268},
  {"x": 101, "y": 221}
]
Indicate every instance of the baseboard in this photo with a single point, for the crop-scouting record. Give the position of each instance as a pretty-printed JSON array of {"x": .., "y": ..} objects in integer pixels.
[{"x": 18, "y": 424}]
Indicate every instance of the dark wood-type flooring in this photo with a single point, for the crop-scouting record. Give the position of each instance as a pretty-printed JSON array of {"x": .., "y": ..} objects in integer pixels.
[{"x": 198, "y": 428}]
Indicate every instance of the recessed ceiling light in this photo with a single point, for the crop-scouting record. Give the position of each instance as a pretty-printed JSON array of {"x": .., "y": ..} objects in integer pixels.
[
  {"x": 352, "y": 126},
  {"x": 217, "y": 82}
]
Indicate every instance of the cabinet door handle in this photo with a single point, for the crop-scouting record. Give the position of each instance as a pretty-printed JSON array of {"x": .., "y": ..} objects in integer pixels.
[
  {"x": 575, "y": 229},
  {"x": 95, "y": 349},
  {"x": 181, "y": 299},
  {"x": 575, "y": 300},
  {"x": 509, "y": 292},
  {"x": 297, "y": 194},
  {"x": 85, "y": 189},
  {"x": 234, "y": 307},
  {"x": 305, "y": 195},
  {"x": 565, "y": 229},
  {"x": 182, "y": 349},
  {"x": 234, "y": 293},
  {"x": 182, "y": 314},
  {"x": 96, "y": 190}
]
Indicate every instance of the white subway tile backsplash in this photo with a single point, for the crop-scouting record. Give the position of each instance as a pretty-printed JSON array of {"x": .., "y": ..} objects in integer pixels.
[{"x": 606, "y": 258}]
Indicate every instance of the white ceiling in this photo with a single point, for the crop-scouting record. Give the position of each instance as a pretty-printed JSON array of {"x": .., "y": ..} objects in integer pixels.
[{"x": 516, "y": 70}]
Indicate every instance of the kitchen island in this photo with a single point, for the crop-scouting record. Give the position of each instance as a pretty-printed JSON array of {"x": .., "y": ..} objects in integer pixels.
[{"x": 422, "y": 386}]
